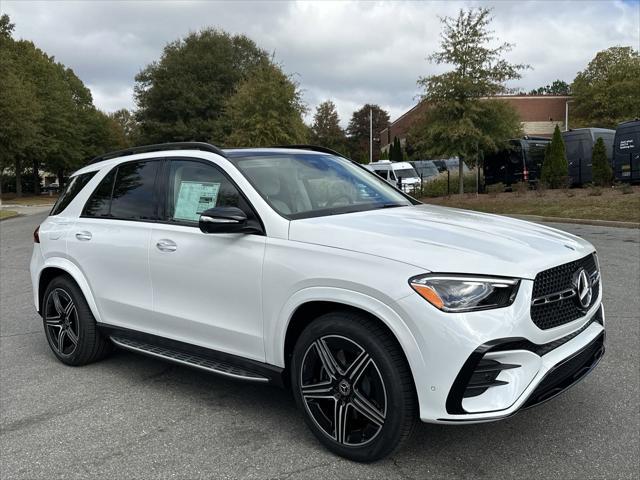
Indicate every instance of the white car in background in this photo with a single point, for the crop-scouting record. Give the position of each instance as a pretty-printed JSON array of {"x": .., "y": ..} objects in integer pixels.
[
  {"x": 300, "y": 268},
  {"x": 396, "y": 173}
]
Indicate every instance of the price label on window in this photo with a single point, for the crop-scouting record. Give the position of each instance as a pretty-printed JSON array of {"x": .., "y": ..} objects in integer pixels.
[{"x": 194, "y": 198}]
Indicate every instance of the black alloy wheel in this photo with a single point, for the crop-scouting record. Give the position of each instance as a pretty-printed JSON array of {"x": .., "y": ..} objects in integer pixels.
[
  {"x": 351, "y": 380},
  {"x": 69, "y": 325}
]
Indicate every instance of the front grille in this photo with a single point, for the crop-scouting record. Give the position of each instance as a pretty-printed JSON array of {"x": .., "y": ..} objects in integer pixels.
[{"x": 552, "y": 282}]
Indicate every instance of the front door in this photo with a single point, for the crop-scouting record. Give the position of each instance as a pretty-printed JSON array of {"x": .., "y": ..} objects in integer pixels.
[{"x": 206, "y": 287}]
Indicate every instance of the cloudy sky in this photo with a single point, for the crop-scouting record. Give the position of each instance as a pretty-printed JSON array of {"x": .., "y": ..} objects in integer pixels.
[{"x": 352, "y": 53}]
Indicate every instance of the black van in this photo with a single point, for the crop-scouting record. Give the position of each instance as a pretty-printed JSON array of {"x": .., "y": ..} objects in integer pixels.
[
  {"x": 626, "y": 152},
  {"x": 578, "y": 144},
  {"x": 521, "y": 162}
]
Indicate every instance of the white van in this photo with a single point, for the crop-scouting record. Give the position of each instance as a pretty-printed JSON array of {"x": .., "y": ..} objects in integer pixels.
[{"x": 391, "y": 171}]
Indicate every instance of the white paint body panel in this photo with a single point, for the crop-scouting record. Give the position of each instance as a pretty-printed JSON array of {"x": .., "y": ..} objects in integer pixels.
[{"x": 237, "y": 293}]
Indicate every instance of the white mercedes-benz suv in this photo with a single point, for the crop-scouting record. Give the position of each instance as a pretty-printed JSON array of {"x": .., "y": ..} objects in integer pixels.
[{"x": 298, "y": 267}]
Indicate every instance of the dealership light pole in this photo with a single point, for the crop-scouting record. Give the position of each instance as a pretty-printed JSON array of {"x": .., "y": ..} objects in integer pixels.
[
  {"x": 566, "y": 115},
  {"x": 370, "y": 135}
]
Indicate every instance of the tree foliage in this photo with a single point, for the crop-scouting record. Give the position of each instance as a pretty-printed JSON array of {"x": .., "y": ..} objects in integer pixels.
[
  {"x": 459, "y": 122},
  {"x": 358, "y": 132},
  {"x": 53, "y": 123},
  {"x": 266, "y": 110},
  {"x": 606, "y": 92},
  {"x": 601, "y": 169},
  {"x": 558, "y": 87},
  {"x": 555, "y": 168},
  {"x": 395, "y": 151},
  {"x": 326, "y": 130},
  {"x": 183, "y": 96}
]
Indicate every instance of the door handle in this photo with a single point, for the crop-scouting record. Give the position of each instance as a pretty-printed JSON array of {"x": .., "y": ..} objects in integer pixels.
[
  {"x": 166, "y": 245},
  {"x": 83, "y": 236}
]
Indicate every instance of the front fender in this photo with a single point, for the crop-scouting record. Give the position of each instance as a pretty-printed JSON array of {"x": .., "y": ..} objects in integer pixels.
[
  {"x": 382, "y": 311},
  {"x": 75, "y": 273}
]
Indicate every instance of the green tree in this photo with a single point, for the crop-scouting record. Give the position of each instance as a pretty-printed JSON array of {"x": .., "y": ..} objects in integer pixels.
[
  {"x": 266, "y": 110},
  {"x": 558, "y": 87},
  {"x": 555, "y": 169},
  {"x": 326, "y": 130},
  {"x": 127, "y": 121},
  {"x": 602, "y": 171},
  {"x": 19, "y": 109},
  {"x": 358, "y": 132},
  {"x": 396, "y": 154},
  {"x": 183, "y": 96},
  {"x": 52, "y": 121},
  {"x": 606, "y": 92},
  {"x": 456, "y": 121}
]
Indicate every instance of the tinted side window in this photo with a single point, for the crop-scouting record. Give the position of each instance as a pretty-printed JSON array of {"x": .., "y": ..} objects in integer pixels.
[
  {"x": 73, "y": 188},
  {"x": 100, "y": 200},
  {"x": 195, "y": 187},
  {"x": 133, "y": 192}
]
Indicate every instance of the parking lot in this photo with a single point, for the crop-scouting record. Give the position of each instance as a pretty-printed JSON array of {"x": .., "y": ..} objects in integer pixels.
[{"x": 134, "y": 417}]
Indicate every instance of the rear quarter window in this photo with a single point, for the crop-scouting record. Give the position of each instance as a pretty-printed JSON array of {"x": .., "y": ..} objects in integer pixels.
[{"x": 73, "y": 188}]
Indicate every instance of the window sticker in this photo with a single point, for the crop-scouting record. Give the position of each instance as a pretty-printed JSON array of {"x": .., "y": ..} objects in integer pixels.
[{"x": 194, "y": 198}]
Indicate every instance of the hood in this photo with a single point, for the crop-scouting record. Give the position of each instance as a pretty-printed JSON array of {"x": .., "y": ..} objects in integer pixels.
[{"x": 447, "y": 240}]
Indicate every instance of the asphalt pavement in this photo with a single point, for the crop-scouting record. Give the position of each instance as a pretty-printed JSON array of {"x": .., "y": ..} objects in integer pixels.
[{"x": 134, "y": 417}]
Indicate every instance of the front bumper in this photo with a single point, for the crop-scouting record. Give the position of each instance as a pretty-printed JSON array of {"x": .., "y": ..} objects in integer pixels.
[{"x": 528, "y": 365}]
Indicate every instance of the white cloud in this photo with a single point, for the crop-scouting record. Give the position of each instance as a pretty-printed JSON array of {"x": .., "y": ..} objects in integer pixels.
[{"x": 352, "y": 53}]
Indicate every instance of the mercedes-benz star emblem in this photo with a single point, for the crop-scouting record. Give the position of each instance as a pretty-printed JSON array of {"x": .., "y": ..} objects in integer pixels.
[{"x": 584, "y": 291}]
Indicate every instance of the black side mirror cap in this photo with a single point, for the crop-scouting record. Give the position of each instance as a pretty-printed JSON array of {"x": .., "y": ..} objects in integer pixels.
[{"x": 224, "y": 220}]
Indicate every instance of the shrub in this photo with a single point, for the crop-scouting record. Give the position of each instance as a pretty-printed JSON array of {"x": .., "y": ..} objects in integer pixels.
[
  {"x": 520, "y": 188},
  {"x": 494, "y": 189},
  {"x": 438, "y": 186},
  {"x": 626, "y": 189},
  {"x": 594, "y": 190},
  {"x": 555, "y": 167},
  {"x": 602, "y": 172}
]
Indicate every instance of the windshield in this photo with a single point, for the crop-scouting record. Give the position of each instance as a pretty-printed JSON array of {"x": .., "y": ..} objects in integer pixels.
[
  {"x": 312, "y": 185},
  {"x": 405, "y": 173}
]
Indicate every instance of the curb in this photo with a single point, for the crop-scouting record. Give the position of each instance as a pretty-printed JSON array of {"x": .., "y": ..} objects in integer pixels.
[
  {"x": 12, "y": 216},
  {"x": 583, "y": 221}
]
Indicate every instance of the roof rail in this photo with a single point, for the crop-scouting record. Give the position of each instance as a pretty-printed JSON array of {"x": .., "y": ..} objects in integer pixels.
[
  {"x": 206, "y": 147},
  {"x": 314, "y": 148}
]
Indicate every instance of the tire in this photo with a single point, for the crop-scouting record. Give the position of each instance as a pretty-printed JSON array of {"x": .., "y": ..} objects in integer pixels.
[
  {"x": 366, "y": 382},
  {"x": 64, "y": 309}
]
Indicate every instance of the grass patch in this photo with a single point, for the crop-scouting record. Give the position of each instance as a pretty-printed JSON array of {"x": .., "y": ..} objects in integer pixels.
[
  {"x": 11, "y": 199},
  {"x": 7, "y": 214},
  {"x": 607, "y": 204}
]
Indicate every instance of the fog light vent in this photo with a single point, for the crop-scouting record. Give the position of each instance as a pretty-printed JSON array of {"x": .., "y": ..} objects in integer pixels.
[{"x": 485, "y": 376}]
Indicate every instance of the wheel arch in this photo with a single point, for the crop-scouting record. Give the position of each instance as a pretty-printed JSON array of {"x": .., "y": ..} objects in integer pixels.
[
  {"x": 60, "y": 266},
  {"x": 308, "y": 304}
]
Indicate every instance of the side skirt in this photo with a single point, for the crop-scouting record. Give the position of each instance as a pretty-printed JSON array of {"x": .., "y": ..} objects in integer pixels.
[{"x": 194, "y": 356}]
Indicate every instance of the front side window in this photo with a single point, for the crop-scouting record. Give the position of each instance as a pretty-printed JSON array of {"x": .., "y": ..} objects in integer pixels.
[
  {"x": 73, "y": 188},
  {"x": 312, "y": 185},
  {"x": 195, "y": 187},
  {"x": 126, "y": 193}
]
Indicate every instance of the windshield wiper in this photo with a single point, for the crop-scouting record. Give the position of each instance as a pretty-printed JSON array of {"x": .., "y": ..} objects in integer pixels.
[{"x": 391, "y": 205}]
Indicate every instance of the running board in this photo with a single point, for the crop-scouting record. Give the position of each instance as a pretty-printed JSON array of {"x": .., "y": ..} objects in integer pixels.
[{"x": 191, "y": 360}]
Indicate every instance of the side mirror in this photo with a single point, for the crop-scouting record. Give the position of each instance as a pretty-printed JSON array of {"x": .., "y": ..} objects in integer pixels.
[{"x": 223, "y": 220}]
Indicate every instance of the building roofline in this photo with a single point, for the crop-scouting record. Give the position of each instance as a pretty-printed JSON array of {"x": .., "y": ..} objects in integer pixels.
[{"x": 514, "y": 96}]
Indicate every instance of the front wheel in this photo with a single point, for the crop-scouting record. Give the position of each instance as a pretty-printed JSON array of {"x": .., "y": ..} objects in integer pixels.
[{"x": 352, "y": 382}]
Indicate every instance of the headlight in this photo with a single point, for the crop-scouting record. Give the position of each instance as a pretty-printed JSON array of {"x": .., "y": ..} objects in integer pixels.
[{"x": 458, "y": 293}]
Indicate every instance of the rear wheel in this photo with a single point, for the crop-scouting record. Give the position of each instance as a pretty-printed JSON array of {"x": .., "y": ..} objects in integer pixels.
[
  {"x": 353, "y": 384},
  {"x": 69, "y": 325}
]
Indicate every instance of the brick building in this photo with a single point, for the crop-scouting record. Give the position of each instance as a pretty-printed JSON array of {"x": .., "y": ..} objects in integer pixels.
[{"x": 539, "y": 115}]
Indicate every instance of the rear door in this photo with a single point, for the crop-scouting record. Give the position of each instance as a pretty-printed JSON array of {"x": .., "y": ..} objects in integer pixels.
[
  {"x": 110, "y": 243},
  {"x": 207, "y": 288}
]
